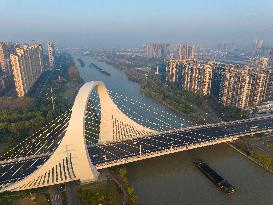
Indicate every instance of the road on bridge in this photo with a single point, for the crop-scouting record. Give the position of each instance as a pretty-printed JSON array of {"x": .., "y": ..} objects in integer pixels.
[
  {"x": 113, "y": 152},
  {"x": 107, "y": 155}
]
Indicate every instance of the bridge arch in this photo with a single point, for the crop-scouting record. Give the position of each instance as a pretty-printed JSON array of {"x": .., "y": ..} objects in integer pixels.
[{"x": 71, "y": 161}]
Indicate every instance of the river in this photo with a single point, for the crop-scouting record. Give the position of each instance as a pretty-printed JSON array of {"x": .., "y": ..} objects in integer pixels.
[{"x": 173, "y": 179}]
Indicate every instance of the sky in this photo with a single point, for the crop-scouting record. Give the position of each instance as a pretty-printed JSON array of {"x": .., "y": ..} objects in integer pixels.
[{"x": 132, "y": 23}]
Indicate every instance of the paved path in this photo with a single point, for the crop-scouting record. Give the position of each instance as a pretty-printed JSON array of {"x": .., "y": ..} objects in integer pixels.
[
  {"x": 262, "y": 144},
  {"x": 120, "y": 184}
]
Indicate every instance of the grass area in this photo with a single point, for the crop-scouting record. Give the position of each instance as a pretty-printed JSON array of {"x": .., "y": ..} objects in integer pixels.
[
  {"x": 15, "y": 125},
  {"x": 104, "y": 192},
  {"x": 244, "y": 144},
  {"x": 27, "y": 197},
  {"x": 121, "y": 174},
  {"x": 12, "y": 103},
  {"x": 263, "y": 158},
  {"x": 270, "y": 144}
]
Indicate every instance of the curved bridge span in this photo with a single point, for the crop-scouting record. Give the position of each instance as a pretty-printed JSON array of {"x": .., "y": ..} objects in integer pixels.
[{"x": 121, "y": 140}]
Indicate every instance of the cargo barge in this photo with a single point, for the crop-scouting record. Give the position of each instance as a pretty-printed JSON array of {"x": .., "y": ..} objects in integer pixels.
[
  {"x": 99, "y": 69},
  {"x": 81, "y": 62},
  {"x": 214, "y": 177}
]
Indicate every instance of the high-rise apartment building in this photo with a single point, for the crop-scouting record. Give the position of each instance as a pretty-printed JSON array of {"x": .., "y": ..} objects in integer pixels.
[
  {"x": 258, "y": 48},
  {"x": 271, "y": 57},
  {"x": 179, "y": 52},
  {"x": 188, "y": 52},
  {"x": 234, "y": 85},
  {"x": 196, "y": 77},
  {"x": 245, "y": 87},
  {"x": 217, "y": 79},
  {"x": 27, "y": 66},
  {"x": 259, "y": 84},
  {"x": 6, "y": 49},
  {"x": 157, "y": 50},
  {"x": 192, "y": 76},
  {"x": 51, "y": 54},
  {"x": 185, "y": 52},
  {"x": 172, "y": 69},
  {"x": 206, "y": 79},
  {"x": 193, "y": 50},
  {"x": 269, "y": 91},
  {"x": 261, "y": 62},
  {"x": 6, "y": 79},
  {"x": 235, "y": 88}
]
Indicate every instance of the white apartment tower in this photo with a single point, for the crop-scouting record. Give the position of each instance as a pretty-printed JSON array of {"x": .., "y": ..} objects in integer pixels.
[
  {"x": 27, "y": 66},
  {"x": 51, "y": 54}
]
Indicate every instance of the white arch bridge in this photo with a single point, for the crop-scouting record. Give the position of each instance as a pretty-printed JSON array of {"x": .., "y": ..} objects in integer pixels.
[{"x": 59, "y": 152}]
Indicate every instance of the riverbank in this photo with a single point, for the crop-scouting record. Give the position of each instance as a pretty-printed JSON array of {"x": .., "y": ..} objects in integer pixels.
[
  {"x": 249, "y": 148},
  {"x": 102, "y": 192},
  {"x": 269, "y": 169},
  {"x": 112, "y": 187},
  {"x": 120, "y": 175}
]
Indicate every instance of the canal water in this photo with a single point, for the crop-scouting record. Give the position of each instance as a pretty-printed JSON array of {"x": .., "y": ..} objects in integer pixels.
[{"x": 173, "y": 179}]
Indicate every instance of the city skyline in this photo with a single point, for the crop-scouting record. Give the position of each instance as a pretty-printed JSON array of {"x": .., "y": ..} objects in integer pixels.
[{"x": 123, "y": 24}]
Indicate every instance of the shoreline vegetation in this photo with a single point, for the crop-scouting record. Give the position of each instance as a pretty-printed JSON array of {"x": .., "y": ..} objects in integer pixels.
[
  {"x": 100, "y": 192},
  {"x": 26, "y": 197},
  {"x": 120, "y": 175},
  {"x": 245, "y": 146},
  {"x": 260, "y": 160}
]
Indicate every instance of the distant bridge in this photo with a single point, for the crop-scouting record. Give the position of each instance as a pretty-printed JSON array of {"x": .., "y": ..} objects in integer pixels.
[{"x": 59, "y": 153}]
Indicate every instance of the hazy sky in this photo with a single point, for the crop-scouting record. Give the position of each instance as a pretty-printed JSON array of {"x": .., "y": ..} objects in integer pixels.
[{"x": 125, "y": 23}]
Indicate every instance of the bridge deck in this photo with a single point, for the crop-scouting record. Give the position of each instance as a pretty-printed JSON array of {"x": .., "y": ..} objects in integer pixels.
[
  {"x": 102, "y": 154},
  {"x": 107, "y": 153}
]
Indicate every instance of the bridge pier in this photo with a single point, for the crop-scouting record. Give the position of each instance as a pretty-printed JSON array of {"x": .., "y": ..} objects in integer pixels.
[
  {"x": 55, "y": 195},
  {"x": 71, "y": 193}
]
